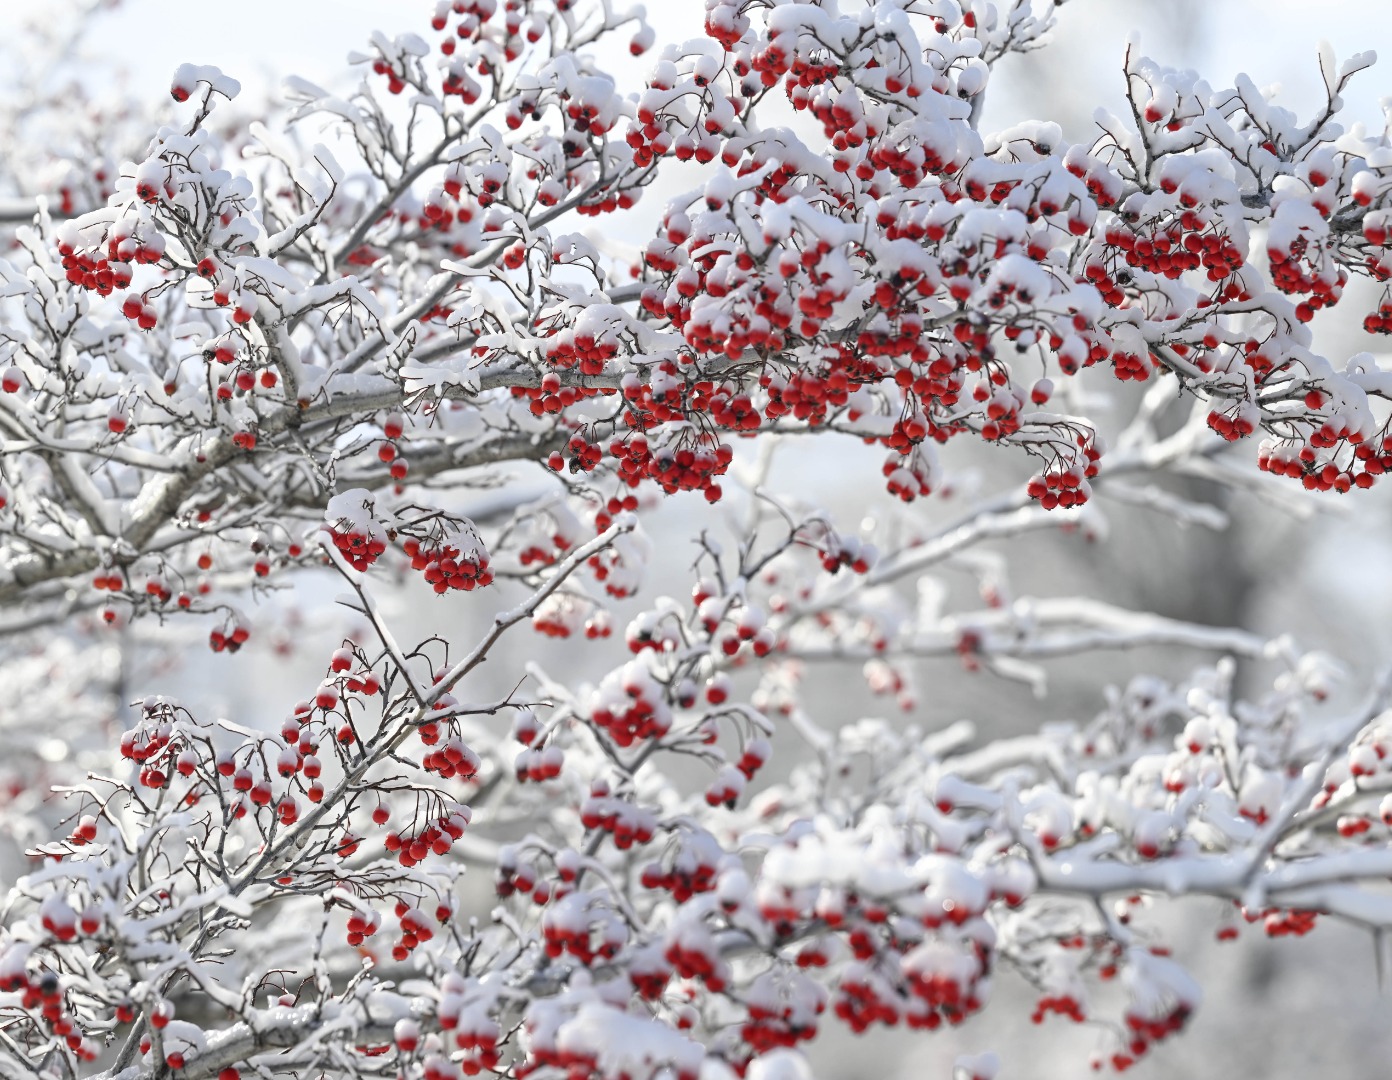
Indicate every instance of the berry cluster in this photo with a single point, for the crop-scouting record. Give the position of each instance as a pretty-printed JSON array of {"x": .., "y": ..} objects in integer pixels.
[
  {"x": 99, "y": 274},
  {"x": 565, "y": 934},
  {"x": 1186, "y": 243},
  {"x": 1065, "y": 486},
  {"x": 688, "y": 874},
  {"x": 229, "y": 638},
  {"x": 1063, "y": 1004},
  {"x": 1237, "y": 422},
  {"x": 537, "y": 764},
  {"x": 641, "y": 718},
  {"x": 1380, "y": 321},
  {"x": 416, "y": 926},
  {"x": 945, "y": 977},
  {"x": 154, "y": 748},
  {"x": 451, "y": 566},
  {"x": 1146, "y": 1031},
  {"x": 568, "y": 347},
  {"x": 1305, "y": 269},
  {"x": 512, "y": 875},
  {"x": 139, "y": 311},
  {"x": 693, "y": 464},
  {"x": 550, "y": 397},
  {"x": 560, "y": 615},
  {"x": 909, "y": 477},
  {"x": 360, "y": 549},
  {"x": 782, "y": 1023},
  {"x": 626, "y": 823},
  {"x": 474, "y": 1029},
  {"x": 693, "y": 954},
  {"x": 452, "y": 761},
  {"x": 1284, "y": 923},
  {"x": 41, "y": 993},
  {"x": 1322, "y": 472},
  {"x": 436, "y": 838}
]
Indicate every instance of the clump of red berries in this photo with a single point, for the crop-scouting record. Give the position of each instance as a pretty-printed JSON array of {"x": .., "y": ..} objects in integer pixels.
[
  {"x": 354, "y": 529},
  {"x": 450, "y": 566},
  {"x": 229, "y": 638}
]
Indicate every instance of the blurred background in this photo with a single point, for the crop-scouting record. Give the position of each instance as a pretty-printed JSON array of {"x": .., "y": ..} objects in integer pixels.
[{"x": 1317, "y": 569}]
